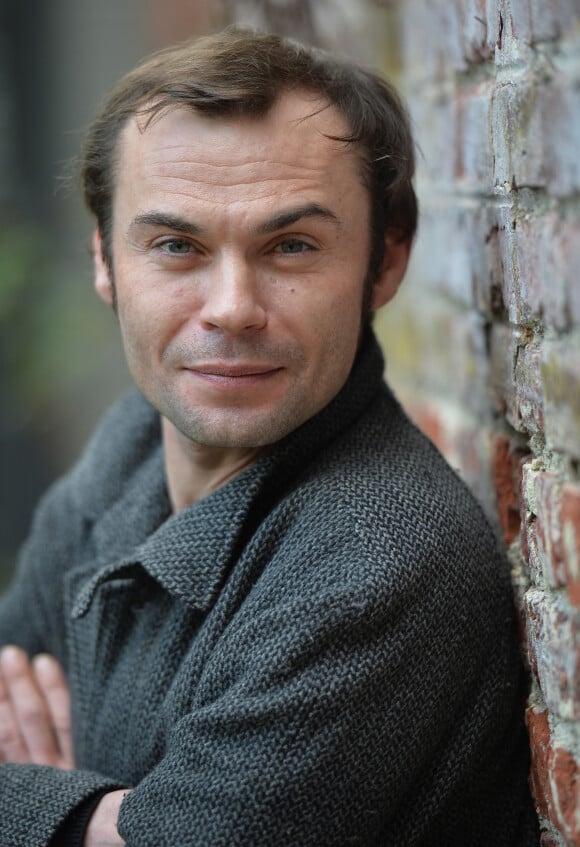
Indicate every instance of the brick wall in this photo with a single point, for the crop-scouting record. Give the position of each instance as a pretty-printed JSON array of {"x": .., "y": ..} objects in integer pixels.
[{"x": 484, "y": 343}]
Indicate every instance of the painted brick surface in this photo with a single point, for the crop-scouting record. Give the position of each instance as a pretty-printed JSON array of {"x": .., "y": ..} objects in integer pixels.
[
  {"x": 561, "y": 375},
  {"x": 553, "y": 629},
  {"x": 484, "y": 344}
]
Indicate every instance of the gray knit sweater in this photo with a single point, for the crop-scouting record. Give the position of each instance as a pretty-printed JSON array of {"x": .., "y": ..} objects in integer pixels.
[{"x": 321, "y": 652}]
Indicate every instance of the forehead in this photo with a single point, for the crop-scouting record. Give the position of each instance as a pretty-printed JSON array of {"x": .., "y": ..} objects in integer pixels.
[{"x": 293, "y": 145}]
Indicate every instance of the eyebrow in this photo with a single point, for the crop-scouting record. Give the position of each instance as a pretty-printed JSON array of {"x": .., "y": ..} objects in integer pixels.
[
  {"x": 277, "y": 222},
  {"x": 292, "y": 216},
  {"x": 166, "y": 220}
]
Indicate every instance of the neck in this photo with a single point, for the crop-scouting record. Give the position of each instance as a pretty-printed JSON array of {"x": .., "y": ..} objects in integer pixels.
[{"x": 195, "y": 470}]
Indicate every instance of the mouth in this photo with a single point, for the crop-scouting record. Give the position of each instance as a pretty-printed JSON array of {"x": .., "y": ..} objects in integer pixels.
[
  {"x": 233, "y": 376},
  {"x": 233, "y": 371}
]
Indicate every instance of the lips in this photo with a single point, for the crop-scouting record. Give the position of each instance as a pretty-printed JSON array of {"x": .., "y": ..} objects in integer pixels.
[
  {"x": 233, "y": 377},
  {"x": 233, "y": 371}
]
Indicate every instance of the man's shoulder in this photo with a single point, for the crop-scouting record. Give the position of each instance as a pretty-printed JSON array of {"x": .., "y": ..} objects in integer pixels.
[
  {"x": 390, "y": 476},
  {"x": 381, "y": 502},
  {"x": 382, "y": 528}
]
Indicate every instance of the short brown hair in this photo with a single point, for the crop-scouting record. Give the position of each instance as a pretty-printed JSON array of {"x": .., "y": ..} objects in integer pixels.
[{"x": 243, "y": 72}]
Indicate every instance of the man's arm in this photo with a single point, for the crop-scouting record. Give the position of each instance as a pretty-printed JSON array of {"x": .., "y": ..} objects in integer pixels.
[{"x": 35, "y": 728}]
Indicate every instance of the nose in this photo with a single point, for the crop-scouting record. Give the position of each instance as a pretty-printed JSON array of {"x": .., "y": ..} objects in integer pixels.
[{"x": 232, "y": 300}]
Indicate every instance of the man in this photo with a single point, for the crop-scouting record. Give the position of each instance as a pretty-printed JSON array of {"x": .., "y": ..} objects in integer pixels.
[{"x": 281, "y": 618}]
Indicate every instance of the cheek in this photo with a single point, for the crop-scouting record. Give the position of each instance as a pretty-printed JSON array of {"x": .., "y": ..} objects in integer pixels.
[
  {"x": 334, "y": 337},
  {"x": 340, "y": 313},
  {"x": 147, "y": 314},
  {"x": 142, "y": 328}
]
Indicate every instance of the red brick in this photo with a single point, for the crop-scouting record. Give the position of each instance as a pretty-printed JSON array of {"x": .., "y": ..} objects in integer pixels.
[
  {"x": 565, "y": 785},
  {"x": 540, "y": 745},
  {"x": 505, "y": 460},
  {"x": 555, "y": 779}
]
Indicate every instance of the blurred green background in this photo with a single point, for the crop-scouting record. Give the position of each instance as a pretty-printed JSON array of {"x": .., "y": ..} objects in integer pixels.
[{"x": 60, "y": 356}]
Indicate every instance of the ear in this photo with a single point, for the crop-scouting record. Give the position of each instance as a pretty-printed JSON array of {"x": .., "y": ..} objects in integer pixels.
[
  {"x": 393, "y": 269},
  {"x": 103, "y": 281}
]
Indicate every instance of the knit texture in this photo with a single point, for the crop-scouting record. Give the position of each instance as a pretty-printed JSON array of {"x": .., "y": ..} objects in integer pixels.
[{"x": 321, "y": 652}]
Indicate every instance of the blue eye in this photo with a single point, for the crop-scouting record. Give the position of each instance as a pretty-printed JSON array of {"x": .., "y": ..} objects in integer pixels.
[
  {"x": 293, "y": 246},
  {"x": 176, "y": 247}
]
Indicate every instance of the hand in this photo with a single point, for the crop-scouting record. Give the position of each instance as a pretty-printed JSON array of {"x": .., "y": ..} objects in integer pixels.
[
  {"x": 102, "y": 828},
  {"x": 35, "y": 723}
]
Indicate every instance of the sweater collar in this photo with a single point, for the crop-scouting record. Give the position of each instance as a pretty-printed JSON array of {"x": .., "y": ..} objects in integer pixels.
[{"x": 190, "y": 553}]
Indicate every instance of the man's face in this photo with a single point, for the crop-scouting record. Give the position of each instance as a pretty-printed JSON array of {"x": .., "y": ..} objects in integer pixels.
[{"x": 240, "y": 249}]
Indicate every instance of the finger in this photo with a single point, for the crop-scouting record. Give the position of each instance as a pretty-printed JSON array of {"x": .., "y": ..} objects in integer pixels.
[
  {"x": 53, "y": 685},
  {"x": 29, "y": 707},
  {"x": 12, "y": 746}
]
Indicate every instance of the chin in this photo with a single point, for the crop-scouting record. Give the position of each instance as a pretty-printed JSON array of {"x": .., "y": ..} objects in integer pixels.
[{"x": 237, "y": 431}]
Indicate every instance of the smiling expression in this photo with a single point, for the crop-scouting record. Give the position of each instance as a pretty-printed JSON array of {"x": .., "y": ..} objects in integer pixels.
[{"x": 240, "y": 249}]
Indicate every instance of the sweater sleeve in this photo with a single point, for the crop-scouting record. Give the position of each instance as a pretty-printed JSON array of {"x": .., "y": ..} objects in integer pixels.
[{"x": 36, "y": 800}]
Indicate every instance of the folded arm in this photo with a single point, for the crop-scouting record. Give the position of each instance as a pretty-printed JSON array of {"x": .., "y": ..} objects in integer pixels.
[{"x": 35, "y": 728}]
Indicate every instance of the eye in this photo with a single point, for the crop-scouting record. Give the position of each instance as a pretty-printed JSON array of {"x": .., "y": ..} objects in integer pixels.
[
  {"x": 293, "y": 247},
  {"x": 176, "y": 247}
]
